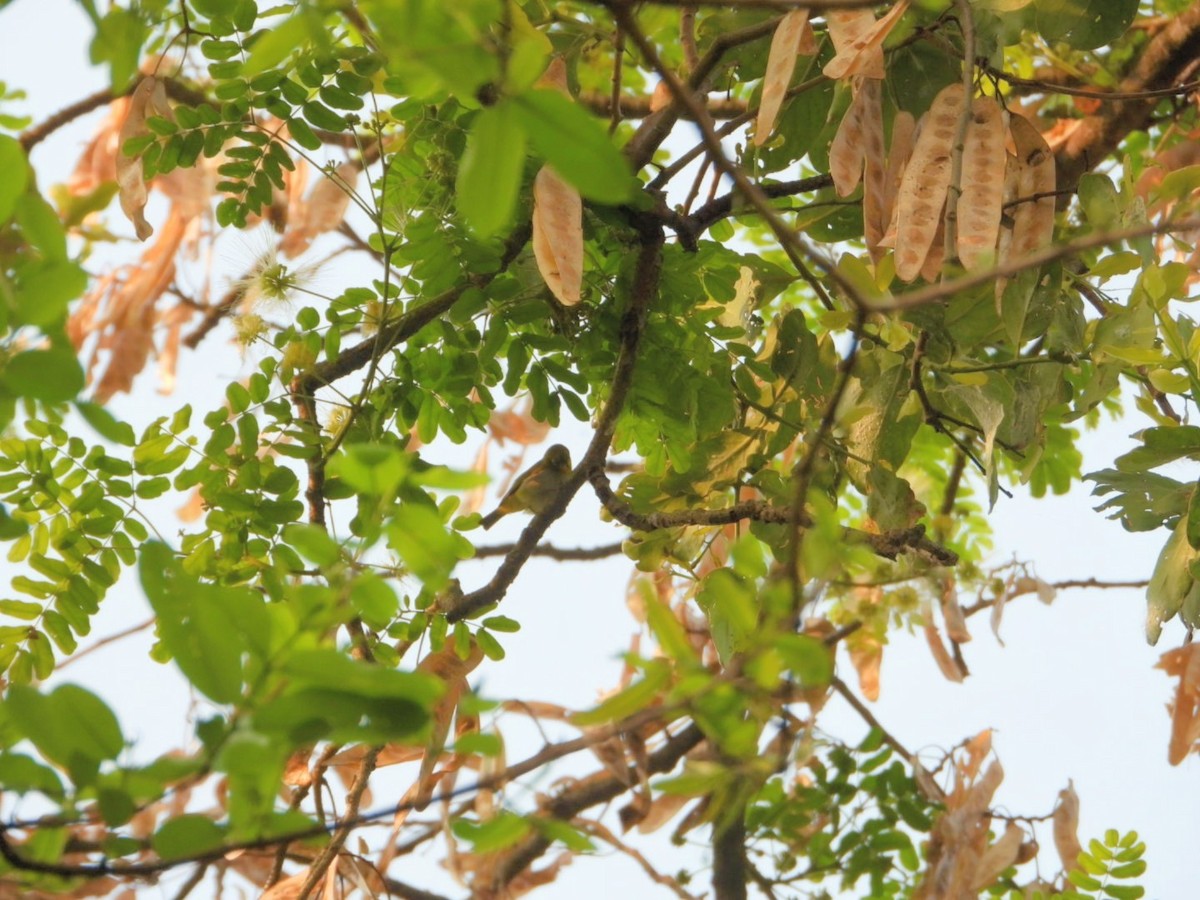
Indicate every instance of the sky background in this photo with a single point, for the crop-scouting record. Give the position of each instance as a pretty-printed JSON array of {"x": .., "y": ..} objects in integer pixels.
[{"x": 1072, "y": 695}]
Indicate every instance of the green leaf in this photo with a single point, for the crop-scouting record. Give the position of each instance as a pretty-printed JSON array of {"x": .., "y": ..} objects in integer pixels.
[
  {"x": 576, "y": 144},
  {"x": 52, "y": 376},
  {"x": 489, "y": 175},
  {"x": 807, "y": 657},
  {"x": 502, "y": 831},
  {"x": 118, "y": 42},
  {"x": 206, "y": 628},
  {"x": 70, "y": 726},
  {"x": 1084, "y": 24},
  {"x": 21, "y": 774},
  {"x": 187, "y": 835},
  {"x": 14, "y": 175},
  {"x": 275, "y": 44},
  {"x": 1161, "y": 445},
  {"x": 636, "y": 697},
  {"x": 106, "y": 424}
]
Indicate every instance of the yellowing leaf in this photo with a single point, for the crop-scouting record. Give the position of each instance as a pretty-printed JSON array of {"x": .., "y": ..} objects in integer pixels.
[
  {"x": 781, "y": 63},
  {"x": 982, "y": 184},
  {"x": 558, "y": 235},
  {"x": 926, "y": 179}
]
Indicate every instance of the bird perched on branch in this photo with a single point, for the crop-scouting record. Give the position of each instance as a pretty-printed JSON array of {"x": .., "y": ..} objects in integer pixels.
[{"x": 536, "y": 487}]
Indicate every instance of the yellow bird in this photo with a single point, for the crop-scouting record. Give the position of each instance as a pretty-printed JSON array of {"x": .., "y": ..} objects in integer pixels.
[{"x": 536, "y": 487}]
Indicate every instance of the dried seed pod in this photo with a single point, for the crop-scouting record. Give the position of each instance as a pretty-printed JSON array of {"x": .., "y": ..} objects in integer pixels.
[
  {"x": 848, "y": 148},
  {"x": 1033, "y": 220},
  {"x": 931, "y": 269},
  {"x": 926, "y": 179},
  {"x": 982, "y": 184},
  {"x": 875, "y": 214},
  {"x": 1012, "y": 178},
  {"x": 558, "y": 235},
  {"x": 904, "y": 129},
  {"x": 781, "y": 63},
  {"x": 860, "y": 51},
  {"x": 849, "y": 27}
]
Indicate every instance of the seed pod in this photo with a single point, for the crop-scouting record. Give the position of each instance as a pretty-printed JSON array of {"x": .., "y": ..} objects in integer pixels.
[
  {"x": 781, "y": 63},
  {"x": 875, "y": 216},
  {"x": 982, "y": 195},
  {"x": 904, "y": 129},
  {"x": 861, "y": 49},
  {"x": 848, "y": 28},
  {"x": 1012, "y": 177},
  {"x": 926, "y": 179},
  {"x": 849, "y": 144},
  {"x": 1033, "y": 220},
  {"x": 558, "y": 235}
]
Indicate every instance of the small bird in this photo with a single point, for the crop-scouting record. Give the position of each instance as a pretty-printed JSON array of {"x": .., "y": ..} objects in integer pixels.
[{"x": 535, "y": 487}]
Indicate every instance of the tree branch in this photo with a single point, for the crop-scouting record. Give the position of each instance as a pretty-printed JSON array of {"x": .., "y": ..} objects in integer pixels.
[
  {"x": 889, "y": 544},
  {"x": 645, "y": 289}
]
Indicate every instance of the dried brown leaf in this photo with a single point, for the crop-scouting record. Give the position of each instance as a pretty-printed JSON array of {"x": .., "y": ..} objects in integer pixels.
[
  {"x": 555, "y": 75},
  {"x": 952, "y": 613},
  {"x": 322, "y": 211},
  {"x": 998, "y": 857},
  {"x": 945, "y": 662},
  {"x": 296, "y": 772},
  {"x": 558, "y": 235},
  {"x": 866, "y": 655},
  {"x": 781, "y": 64},
  {"x": 286, "y": 889},
  {"x": 661, "y": 97},
  {"x": 98, "y": 162},
  {"x": 1183, "y": 663},
  {"x": 661, "y": 811},
  {"x": 447, "y": 666},
  {"x": 1066, "y": 827},
  {"x": 979, "y": 205}
]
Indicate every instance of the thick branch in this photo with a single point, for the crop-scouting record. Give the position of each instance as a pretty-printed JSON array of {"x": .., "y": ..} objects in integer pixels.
[{"x": 1166, "y": 58}]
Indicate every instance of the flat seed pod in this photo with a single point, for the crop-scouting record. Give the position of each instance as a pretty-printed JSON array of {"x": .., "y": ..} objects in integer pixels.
[
  {"x": 558, "y": 235},
  {"x": 932, "y": 267},
  {"x": 875, "y": 216},
  {"x": 1033, "y": 220},
  {"x": 926, "y": 179},
  {"x": 982, "y": 184},
  {"x": 781, "y": 63},
  {"x": 861, "y": 49},
  {"x": 848, "y": 26},
  {"x": 904, "y": 128},
  {"x": 1012, "y": 177},
  {"x": 848, "y": 148}
]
